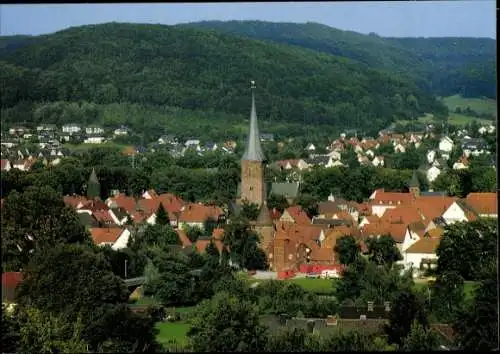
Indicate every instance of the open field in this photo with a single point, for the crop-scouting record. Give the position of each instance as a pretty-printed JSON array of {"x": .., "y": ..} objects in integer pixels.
[
  {"x": 85, "y": 147},
  {"x": 453, "y": 118},
  {"x": 479, "y": 105},
  {"x": 172, "y": 331}
]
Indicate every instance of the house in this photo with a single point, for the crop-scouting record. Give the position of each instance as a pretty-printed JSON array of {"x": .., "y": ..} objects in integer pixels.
[
  {"x": 462, "y": 163},
  {"x": 291, "y": 164},
  {"x": 486, "y": 129},
  {"x": 46, "y": 128},
  {"x": 310, "y": 147},
  {"x": 432, "y": 173},
  {"x": 71, "y": 128},
  {"x": 211, "y": 146},
  {"x": 5, "y": 165},
  {"x": 94, "y": 130},
  {"x": 370, "y": 153},
  {"x": 295, "y": 214},
  {"x": 399, "y": 148},
  {"x": 168, "y": 139},
  {"x": 446, "y": 144},
  {"x": 193, "y": 143},
  {"x": 266, "y": 137},
  {"x": 289, "y": 190},
  {"x": 18, "y": 130},
  {"x": 116, "y": 237},
  {"x": 380, "y": 201},
  {"x": 474, "y": 147},
  {"x": 431, "y": 156},
  {"x": 421, "y": 255},
  {"x": 196, "y": 214},
  {"x": 95, "y": 140},
  {"x": 457, "y": 212},
  {"x": 121, "y": 131},
  {"x": 335, "y": 155},
  {"x": 378, "y": 161}
]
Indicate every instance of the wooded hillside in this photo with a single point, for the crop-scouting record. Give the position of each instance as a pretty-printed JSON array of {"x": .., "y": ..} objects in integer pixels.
[{"x": 199, "y": 69}]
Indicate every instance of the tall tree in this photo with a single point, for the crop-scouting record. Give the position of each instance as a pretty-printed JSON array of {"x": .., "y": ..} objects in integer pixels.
[
  {"x": 347, "y": 249},
  {"x": 383, "y": 250},
  {"x": 162, "y": 216},
  {"x": 420, "y": 339},
  {"x": 227, "y": 323}
]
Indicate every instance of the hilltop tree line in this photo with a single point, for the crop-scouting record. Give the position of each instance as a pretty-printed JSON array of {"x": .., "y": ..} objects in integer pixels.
[
  {"x": 203, "y": 70},
  {"x": 441, "y": 66}
]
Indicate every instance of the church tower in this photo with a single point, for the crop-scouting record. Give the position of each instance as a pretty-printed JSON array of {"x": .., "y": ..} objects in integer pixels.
[
  {"x": 253, "y": 189},
  {"x": 414, "y": 185}
]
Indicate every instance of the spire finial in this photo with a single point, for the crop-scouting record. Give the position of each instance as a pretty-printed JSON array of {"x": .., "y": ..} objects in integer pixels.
[{"x": 252, "y": 84}]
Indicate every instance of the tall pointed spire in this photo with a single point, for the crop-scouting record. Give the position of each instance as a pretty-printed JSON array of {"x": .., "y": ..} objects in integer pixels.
[
  {"x": 253, "y": 151},
  {"x": 93, "y": 186}
]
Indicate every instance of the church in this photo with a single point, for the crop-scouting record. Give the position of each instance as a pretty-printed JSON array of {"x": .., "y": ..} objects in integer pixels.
[{"x": 288, "y": 245}]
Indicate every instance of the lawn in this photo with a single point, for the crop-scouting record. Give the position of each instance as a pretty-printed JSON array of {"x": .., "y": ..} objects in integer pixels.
[
  {"x": 172, "y": 331},
  {"x": 479, "y": 105},
  {"x": 317, "y": 286},
  {"x": 85, "y": 147}
]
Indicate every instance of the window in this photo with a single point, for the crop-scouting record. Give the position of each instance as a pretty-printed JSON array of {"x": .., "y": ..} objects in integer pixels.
[{"x": 251, "y": 188}]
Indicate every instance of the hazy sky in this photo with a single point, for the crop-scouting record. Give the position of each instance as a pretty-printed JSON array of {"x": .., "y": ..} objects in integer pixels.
[{"x": 399, "y": 19}]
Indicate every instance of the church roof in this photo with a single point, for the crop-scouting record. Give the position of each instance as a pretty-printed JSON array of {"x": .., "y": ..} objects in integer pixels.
[
  {"x": 253, "y": 151},
  {"x": 93, "y": 177},
  {"x": 414, "y": 180}
]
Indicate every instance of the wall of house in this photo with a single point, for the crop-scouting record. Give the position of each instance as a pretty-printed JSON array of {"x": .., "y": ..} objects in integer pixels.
[
  {"x": 410, "y": 238},
  {"x": 122, "y": 240},
  {"x": 182, "y": 225},
  {"x": 454, "y": 214},
  {"x": 416, "y": 258},
  {"x": 379, "y": 210}
]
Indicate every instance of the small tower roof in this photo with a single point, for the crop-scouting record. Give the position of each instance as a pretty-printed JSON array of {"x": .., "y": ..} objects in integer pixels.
[
  {"x": 264, "y": 217},
  {"x": 253, "y": 151},
  {"x": 93, "y": 177},
  {"x": 414, "y": 180}
]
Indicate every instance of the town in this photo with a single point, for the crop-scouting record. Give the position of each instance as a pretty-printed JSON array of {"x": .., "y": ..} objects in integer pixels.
[{"x": 325, "y": 182}]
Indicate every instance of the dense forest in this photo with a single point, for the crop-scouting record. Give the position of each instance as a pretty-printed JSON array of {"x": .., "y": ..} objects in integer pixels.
[
  {"x": 201, "y": 70},
  {"x": 442, "y": 66}
]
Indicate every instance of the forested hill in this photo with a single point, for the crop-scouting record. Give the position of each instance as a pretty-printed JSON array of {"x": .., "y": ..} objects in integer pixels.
[
  {"x": 443, "y": 66},
  {"x": 205, "y": 70}
]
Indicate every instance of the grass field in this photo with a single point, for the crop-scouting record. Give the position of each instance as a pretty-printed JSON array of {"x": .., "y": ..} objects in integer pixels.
[
  {"x": 172, "y": 331},
  {"x": 479, "y": 105},
  {"x": 85, "y": 147}
]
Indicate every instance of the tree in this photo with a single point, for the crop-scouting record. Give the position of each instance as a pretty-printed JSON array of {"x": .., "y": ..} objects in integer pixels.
[
  {"x": 34, "y": 220},
  {"x": 421, "y": 339},
  {"x": 383, "y": 250},
  {"x": 448, "y": 295},
  {"x": 193, "y": 233},
  {"x": 250, "y": 211},
  {"x": 158, "y": 236},
  {"x": 309, "y": 204},
  {"x": 405, "y": 309},
  {"x": 292, "y": 340},
  {"x": 351, "y": 341},
  {"x": 98, "y": 297},
  {"x": 209, "y": 225},
  {"x": 242, "y": 241},
  {"x": 10, "y": 330},
  {"x": 45, "y": 333},
  {"x": 277, "y": 201},
  {"x": 477, "y": 325},
  {"x": 226, "y": 323},
  {"x": 162, "y": 216},
  {"x": 347, "y": 249}
]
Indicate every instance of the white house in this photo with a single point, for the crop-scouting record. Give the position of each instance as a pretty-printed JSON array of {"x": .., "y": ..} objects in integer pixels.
[
  {"x": 454, "y": 214},
  {"x": 486, "y": 129},
  {"x": 335, "y": 155},
  {"x": 71, "y": 128},
  {"x": 94, "y": 129},
  {"x": 433, "y": 173},
  {"x": 431, "y": 156},
  {"x": 336, "y": 163},
  {"x": 121, "y": 131},
  {"x": 421, "y": 255},
  {"x": 378, "y": 161},
  {"x": 446, "y": 144},
  {"x": 311, "y": 147},
  {"x": 5, "y": 165},
  {"x": 370, "y": 153},
  {"x": 399, "y": 148},
  {"x": 117, "y": 238},
  {"x": 95, "y": 140}
]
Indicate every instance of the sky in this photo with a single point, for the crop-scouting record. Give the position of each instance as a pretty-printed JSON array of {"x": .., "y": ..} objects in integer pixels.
[{"x": 458, "y": 18}]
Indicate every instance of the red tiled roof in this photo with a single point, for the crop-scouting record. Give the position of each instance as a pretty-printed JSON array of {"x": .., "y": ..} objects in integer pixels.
[
  {"x": 275, "y": 214},
  {"x": 298, "y": 215},
  {"x": 202, "y": 244},
  {"x": 3, "y": 163},
  {"x": 402, "y": 213},
  {"x": 103, "y": 216},
  {"x": 105, "y": 235},
  {"x": 383, "y": 197},
  {"x": 95, "y": 205},
  {"x": 483, "y": 203},
  {"x": 74, "y": 200},
  {"x": 125, "y": 202},
  {"x": 424, "y": 245},
  {"x": 218, "y": 233},
  {"x": 199, "y": 213},
  {"x": 186, "y": 242},
  {"x": 433, "y": 206}
]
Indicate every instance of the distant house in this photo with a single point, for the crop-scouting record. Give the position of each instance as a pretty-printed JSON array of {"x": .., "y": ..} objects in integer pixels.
[
  {"x": 116, "y": 237},
  {"x": 121, "y": 131},
  {"x": 486, "y": 129},
  {"x": 335, "y": 155},
  {"x": 370, "y": 153},
  {"x": 378, "y": 161},
  {"x": 462, "y": 163},
  {"x": 431, "y": 156},
  {"x": 265, "y": 137},
  {"x": 168, "y": 139},
  {"x": 474, "y": 147},
  {"x": 433, "y": 173},
  {"x": 211, "y": 146},
  {"x": 399, "y": 148},
  {"x": 95, "y": 140},
  {"x": 446, "y": 144},
  {"x": 46, "y": 128},
  {"x": 71, "y": 128},
  {"x": 311, "y": 147},
  {"x": 18, "y": 130},
  {"x": 193, "y": 144},
  {"x": 94, "y": 130}
]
